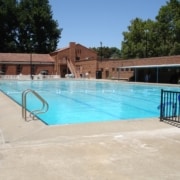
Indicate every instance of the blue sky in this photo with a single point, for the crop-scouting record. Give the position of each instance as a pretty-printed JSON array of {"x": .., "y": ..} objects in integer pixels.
[{"x": 90, "y": 22}]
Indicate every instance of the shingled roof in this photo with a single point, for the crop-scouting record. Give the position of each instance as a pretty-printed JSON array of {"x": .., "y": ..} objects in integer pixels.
[{"x": 24, "y": 57}]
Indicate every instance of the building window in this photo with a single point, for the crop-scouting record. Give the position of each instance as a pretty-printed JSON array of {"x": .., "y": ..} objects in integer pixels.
[
  {"x": 33, "y": 69},
  {"x": 18, "y": 69},
  {"x": 3, "y": 68},
  {"x": 77, "y": 58}
]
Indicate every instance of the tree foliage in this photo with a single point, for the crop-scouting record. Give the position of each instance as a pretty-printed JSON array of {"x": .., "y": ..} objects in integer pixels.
[
  {"x": 30, "y": 26},
  {"x": 154, "y": 38},
  {"x": 168, "y": 21},
  {"x": 8, "y": 25},
  {"x": 107, "y": 52}
]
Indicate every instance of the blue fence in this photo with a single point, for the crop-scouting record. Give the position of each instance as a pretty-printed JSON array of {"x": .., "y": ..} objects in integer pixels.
[{"x": 170, "y": 106}]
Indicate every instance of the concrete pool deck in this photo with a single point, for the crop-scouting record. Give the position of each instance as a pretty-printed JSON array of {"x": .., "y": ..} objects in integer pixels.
[{"x": 141, "y": 149}]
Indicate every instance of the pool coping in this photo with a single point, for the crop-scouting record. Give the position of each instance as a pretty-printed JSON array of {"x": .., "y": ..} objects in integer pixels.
[{"x": 138, "y": 149}]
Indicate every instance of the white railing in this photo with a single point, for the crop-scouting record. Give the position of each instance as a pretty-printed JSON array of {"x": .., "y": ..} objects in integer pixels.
[
  {"x": 28, "y": 77},
  {"x": 43, "y": 77},
  {"x": 8, "y": 76}
]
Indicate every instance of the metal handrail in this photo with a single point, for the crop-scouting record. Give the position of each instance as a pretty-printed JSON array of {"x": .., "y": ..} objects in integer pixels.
[{"x": 44, "y": 108}]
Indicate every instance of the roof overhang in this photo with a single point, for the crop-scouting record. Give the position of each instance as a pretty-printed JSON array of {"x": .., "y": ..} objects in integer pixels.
[{"x": 150, "y": 66}]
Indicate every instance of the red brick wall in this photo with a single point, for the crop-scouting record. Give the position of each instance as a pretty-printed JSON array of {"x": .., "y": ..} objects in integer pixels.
[
  {"x": 111, "y": 66},
  {"x": 87, "y": 63},
  {"x": 11, "y": 69},
  {"x": 152, "y": 61},
  {"x": 78, "y": 54},
  {"x": 87, "y": 66},
  {"x": 72, "y": 51},
  {"x": 84, "y": 53},
  {"x": 25, "y": 69},
  {"x": 49, "y": 68}
]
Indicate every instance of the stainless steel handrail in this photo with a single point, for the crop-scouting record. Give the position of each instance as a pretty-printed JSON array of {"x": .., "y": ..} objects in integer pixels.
[{"x": 44, "y": 108}]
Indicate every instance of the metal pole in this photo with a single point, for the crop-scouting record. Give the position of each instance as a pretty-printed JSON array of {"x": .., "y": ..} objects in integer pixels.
[
  {"x": 101, "y": 50},
  {"x": 31, "y": 65},
  {"x": 30, "y": 50},
  {"x": 157, "y": 75},
  {"x": 146, "y": 54},
  {"x": 146, "y": 44}
]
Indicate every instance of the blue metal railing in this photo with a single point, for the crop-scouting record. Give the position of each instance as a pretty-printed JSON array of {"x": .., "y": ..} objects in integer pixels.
[{"x": 170, "y": 106}]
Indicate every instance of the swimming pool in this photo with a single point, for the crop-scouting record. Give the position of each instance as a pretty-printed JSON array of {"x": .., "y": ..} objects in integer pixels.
[{"x": 80, "y": 101}]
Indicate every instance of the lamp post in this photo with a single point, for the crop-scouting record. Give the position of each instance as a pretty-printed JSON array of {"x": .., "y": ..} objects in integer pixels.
[
  {"x": 31, "y": 76},
  {"x": 146, "y": 53},
  {"x": 101, "y": 50},
  {"x": 31, "y": 66}
]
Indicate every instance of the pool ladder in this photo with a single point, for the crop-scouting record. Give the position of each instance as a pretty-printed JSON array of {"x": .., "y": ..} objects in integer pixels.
[{"x": 33, "y": 113}]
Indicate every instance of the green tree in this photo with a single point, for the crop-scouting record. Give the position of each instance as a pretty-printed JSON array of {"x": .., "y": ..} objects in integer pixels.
[
  {"x": 107, "y": 52},
  {"x": 141, "y": 40},
  {"x": 27, "y": 26},
  {"x": 168, "y": 20},
  {"x": 137, "y": 41},
  {"x": 8, "y": 25},
  {"x": 38, "y": 32},
  {"x": 133, "y": 44},
  {"x": 154, "y": 38}
]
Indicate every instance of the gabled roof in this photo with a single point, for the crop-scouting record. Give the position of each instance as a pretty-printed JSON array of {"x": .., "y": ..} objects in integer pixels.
[
  {"x": 24, "y": 57},
  {"x": 58, "y": 50},
  {"x": 68, "y": 47}
]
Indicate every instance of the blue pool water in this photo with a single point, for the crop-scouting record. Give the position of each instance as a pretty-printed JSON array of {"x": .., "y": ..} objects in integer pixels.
[{"x": 73, "y": 101}]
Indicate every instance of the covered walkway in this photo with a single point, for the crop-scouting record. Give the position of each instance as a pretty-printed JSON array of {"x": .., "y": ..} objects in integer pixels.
[{"x": 162, "y": 73}]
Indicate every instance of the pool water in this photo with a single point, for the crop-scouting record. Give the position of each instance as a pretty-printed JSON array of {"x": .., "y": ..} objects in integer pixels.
[{"x": 80, "y": 101}]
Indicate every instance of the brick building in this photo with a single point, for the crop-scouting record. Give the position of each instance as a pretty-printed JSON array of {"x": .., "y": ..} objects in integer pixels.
[
  {"x": 83, "y": 62},
  {"x": 161, "y": 69},
  {"x": 26, "y": 64},
  {"x": 75, "y": 59}
]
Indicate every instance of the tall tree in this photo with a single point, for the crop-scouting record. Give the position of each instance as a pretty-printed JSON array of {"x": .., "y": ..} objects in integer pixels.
[
  {"x": 135, "y": 40},
  {"x": 27, "y": 26},
  {"x": 168, "y": 20},
  {"x": 107, "y": 52},
  {"x": 38, "y": 31},
  {"x": 8, "y": 25},
  {"x": 154, "y": 38}
]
